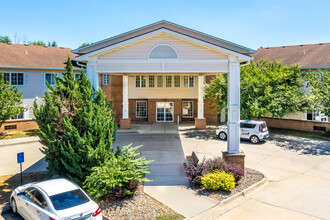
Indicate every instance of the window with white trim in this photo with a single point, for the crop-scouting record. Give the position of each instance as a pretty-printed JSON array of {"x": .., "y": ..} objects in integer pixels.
[
  {"x": 188, "y": 81},
  {"x": 168, "y": 80},
  {"x": 177, "y": 81},
  {"x": 151, "y": 81},
  {"x": 187, "y": 109},
  {"x": 105, "y": 79},
  {"x": 160, "y": 81},
  {"x": 19, "y": 116},
  {"x": 50, "y": 78},
  {"x": 15, "y": 79},
  {"x": 140, "y": 81},
  {"x": 141, "y": 109}
]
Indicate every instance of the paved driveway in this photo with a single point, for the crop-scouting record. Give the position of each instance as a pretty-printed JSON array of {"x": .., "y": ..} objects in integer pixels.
[{"x": 298, "y": 172}]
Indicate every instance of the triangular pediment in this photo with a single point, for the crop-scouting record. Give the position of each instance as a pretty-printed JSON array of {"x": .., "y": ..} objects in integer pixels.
[{"x": 140, "y": 49}]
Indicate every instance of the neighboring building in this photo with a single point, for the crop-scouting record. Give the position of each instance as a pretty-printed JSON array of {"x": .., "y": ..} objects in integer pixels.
[
  {"x": 29, "y": 67},
  {"x": 156, "y": 73},
  {"x": 309, "y": 57}
]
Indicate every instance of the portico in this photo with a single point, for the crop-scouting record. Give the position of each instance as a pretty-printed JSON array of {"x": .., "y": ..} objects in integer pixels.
[{"x": 157, "y": 74}]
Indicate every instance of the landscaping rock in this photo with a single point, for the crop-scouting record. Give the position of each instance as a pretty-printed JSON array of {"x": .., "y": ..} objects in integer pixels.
[
  {"x": 251, "y": 177},
  {"x": 137, "y": 206}
]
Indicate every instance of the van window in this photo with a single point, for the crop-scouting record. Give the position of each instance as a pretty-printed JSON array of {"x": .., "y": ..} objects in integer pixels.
[{"x": 247, "y": 125}]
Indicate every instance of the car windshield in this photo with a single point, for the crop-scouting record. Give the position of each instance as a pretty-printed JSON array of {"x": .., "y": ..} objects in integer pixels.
[
  {"x": 264, "y": 127},
  {"x": 68, "y": 199}
]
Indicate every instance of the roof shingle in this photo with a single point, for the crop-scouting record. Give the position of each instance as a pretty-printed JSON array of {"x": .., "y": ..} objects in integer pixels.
[
  {"x": 20, "y": 55},
  {"x": 307, "y": 55}
]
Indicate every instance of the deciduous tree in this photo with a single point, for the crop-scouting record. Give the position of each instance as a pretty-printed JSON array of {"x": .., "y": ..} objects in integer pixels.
[
  {"x": 268, "y": 88},
  {"x": 10, "y": 100}
]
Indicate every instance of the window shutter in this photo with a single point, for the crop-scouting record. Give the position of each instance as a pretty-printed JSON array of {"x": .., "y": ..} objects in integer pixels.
[
  {"x": 26, "y": 79},
  {"x": 43, "y": 79},
  {"x": 60, "y": 75}
]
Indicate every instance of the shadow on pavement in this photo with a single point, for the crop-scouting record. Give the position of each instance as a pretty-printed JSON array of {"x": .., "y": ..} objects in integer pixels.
[{"x": 302, "y": 145}]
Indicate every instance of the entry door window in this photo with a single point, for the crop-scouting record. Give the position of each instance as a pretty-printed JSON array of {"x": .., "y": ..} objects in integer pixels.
[{"x": 165, "y": 111}]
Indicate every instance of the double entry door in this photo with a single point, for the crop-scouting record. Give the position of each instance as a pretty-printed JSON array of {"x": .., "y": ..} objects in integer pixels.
[{"x": 164, "y": 111}]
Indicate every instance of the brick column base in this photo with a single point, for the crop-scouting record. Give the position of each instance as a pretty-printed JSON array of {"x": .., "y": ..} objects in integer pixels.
[
  {"x": 125, "y": 123},
  {"x": 200, "y": 123},
  {"x": 234, "y": 158}
]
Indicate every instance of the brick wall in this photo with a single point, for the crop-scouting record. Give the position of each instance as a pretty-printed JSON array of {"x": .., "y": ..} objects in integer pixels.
[
  {"x": 114, "y": 91},
  {"x": 24, "y": 124},
  {"x": 210, "y": 110},
  {"x": 293, "y": 124}
]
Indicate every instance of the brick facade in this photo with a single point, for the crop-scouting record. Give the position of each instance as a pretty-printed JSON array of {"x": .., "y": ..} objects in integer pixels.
[
  {"x": 23, "y": 124},
  {"x": 114, "y": 92}
]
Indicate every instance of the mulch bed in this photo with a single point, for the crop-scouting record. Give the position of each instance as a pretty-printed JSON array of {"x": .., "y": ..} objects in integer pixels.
[
  {"x": 251, "y": 177},
  {"x": 137, "y": 206}
]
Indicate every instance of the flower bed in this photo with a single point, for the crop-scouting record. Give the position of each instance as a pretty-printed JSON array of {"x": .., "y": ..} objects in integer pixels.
[{"x": 219, "y": 180}]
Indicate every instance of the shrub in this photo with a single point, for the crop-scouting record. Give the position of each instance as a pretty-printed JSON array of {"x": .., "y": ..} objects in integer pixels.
[
  {"x": 218, "y": 181},
  {"x": 236, "y": 170},
  {"x": 119, "y": 175},
  {"x": 327, "y": 133},
  {"x": 196, "y": 171},
  {"x": 216, "y": 163}
]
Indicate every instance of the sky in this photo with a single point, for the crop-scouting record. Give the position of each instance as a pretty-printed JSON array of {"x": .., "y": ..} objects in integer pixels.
[{"x": 253, "y": 23}]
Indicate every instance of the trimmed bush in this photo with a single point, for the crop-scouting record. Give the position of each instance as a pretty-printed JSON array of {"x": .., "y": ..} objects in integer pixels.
[
  {"x": 119, "y": 175},
  {"x": 216, "y": 163},
  {"x": 236, "y": 170},
  {"x": 195, "y": 172},
  {"x": 218, "y": 181}
]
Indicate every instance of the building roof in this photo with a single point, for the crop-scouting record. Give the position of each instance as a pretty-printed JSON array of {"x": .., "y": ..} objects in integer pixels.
[
  {"x": 32, "y": 56},
  {"x": 308, "y": 56},
  {"x": 169, "y": 26}
]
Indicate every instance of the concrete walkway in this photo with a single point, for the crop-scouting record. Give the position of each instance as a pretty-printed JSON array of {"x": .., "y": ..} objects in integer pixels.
[
  {"x": 169, "y": 184},
  {"x": 298, "y": 172}
]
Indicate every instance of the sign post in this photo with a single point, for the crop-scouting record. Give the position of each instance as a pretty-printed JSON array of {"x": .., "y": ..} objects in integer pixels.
[{"x": 20, "y": 160}]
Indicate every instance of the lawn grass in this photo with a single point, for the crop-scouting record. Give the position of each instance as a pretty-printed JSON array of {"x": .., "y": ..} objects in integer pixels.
[
  {"x": 10, "y": 182},
  {"x": 20, "y": 134},
  {"x": 170, "y": 217},
  {"x": 305, "y": 134}
]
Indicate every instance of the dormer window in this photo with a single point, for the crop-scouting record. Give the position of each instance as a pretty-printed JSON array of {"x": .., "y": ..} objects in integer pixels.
[{"x": 163, "y": 51}]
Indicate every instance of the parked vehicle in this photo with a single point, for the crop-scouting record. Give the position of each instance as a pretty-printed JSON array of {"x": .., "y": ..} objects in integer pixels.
[
  {"x": 255, "y": 131},
  {"x": 53, "y": 200}
]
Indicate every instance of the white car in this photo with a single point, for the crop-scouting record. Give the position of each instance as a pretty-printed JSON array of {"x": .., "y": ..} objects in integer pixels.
[
  {"x": 255, "y": 131},
  {"x": 53, "y": 200}
]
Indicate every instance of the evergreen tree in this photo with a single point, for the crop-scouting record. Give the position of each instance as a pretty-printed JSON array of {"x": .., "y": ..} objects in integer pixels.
[
  {"x": 5, "y": 39},
  {"x": 76, "y": 125}
]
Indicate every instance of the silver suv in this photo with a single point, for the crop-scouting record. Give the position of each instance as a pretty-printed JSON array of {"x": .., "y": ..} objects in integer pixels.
[{"x": 255, "y": 131}]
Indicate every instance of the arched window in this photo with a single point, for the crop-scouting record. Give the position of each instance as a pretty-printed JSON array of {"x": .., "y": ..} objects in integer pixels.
[{"x": 163, "y": 51}]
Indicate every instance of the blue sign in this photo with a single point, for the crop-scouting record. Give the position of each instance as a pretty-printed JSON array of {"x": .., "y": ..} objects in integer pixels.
[{"x": 20, "y": 157}]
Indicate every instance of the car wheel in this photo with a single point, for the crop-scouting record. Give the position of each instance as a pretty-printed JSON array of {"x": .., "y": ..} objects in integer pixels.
[
  {"x": 254, "y": 139},
  {"x": 13, "y": 206},
  {"x": 222, "y": 135}
]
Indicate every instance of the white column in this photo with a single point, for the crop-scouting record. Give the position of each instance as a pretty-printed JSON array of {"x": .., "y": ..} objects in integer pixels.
[
  {"x": 233, "y": 107},
  {"x": 125, "y": 97},
  {"x": 200, "y": 112},
  {"x": 91, "y": 73}
]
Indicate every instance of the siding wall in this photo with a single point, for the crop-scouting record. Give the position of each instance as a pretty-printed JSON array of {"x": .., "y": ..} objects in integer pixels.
[
  {"x": 185, "y": 50},
  {"x": 133, "y": 58}
]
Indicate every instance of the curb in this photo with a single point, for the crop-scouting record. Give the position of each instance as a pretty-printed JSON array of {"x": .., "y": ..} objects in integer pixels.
[
  {"x": 5, "y": 208},
  {"x": 248, "y": 190},
  {"x": 19, "y": 142},
  {"x": 244, "y": 192}
]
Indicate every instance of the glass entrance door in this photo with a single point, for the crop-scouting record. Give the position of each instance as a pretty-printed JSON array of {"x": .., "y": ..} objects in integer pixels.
[{"x": 164, "y": 111}]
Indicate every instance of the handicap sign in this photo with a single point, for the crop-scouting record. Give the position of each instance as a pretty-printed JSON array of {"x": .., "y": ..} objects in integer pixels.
[{"x": 20, "y": 157}]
